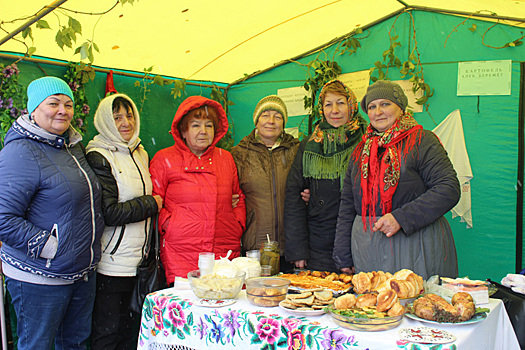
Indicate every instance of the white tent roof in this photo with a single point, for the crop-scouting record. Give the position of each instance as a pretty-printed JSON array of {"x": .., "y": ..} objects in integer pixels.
[{"x": 216, "y": 40}]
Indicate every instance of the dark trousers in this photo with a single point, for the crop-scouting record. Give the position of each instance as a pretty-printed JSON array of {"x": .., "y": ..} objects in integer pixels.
[{"x": 114, "y": 325}]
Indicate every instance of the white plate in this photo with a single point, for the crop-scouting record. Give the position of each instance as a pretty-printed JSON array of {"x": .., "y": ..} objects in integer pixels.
[
  {"x": 305, "y": 313},
  {"x": 426, "y": 335},
  {"x": 475, "y": 319},
  {"x": 214, "y": 303},
  {"x": 336, "y": 293}
]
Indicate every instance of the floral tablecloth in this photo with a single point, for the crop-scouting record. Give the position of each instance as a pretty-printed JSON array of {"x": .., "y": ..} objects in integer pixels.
[{"x": 171, "y": 320}]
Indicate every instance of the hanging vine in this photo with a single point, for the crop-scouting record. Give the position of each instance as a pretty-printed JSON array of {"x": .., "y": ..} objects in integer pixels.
[
  {"x": 323, "y": 72},
  {"x": 77, "y": 75},
  {"x": 220, "y": 96},
  {"x": 13, "y": 99},
  {"x": 412, "y": 67},
  {"x": 178, "y": 90},
  {"x": 473, "y": 28}
]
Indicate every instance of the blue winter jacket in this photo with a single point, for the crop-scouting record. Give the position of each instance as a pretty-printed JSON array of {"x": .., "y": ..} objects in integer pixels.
[{"x": 48, "y": 188}]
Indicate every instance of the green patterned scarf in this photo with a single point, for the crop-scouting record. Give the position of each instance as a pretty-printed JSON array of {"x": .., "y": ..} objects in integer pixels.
[{"x": 328, "y": 150}]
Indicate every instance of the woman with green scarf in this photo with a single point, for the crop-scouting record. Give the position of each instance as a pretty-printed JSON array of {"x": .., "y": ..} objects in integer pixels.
[
  {"x": 399, "y": 184},
  {"x": 320, "y": 165}
]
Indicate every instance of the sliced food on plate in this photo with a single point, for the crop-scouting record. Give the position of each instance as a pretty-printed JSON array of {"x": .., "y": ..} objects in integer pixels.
[
  {"x": 311, "y": 300},
  {"x": 320, "y": 279}
]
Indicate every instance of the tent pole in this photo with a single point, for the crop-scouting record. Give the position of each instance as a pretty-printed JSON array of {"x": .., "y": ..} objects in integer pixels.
[
  {"x": 467, "y": 14},
  {"x": 43, "y": 12},
  {"x": 319, "y": 48},
  {"x": 100, "y": 70},
  {"x": 521, "y": 160}
]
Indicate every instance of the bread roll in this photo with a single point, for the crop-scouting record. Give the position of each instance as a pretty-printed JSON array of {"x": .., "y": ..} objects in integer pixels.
[
  {"x": 361, "y": 282},
  {"x": 345, "y": 301},
  {"x": 369, "y": 299},
  {"x": 400, "y": 287},
  {"x": 396, "y": 310},
  {"x": 461, "y": 296},
  {"x": 386, "y": 299}
]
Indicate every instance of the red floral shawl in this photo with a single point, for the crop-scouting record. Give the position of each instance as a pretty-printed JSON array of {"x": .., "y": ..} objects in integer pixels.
[{"x": 380, "y": 174}]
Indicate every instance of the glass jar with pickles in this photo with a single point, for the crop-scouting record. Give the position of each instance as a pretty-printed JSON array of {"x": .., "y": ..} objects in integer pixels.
[{"x": 270, "y": 255}]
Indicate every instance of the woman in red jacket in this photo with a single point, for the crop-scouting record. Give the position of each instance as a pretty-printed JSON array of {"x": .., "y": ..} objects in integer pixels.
[{"x": 197, "y": 181}]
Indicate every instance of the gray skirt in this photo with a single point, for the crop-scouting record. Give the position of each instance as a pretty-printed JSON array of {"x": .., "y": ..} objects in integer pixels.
[{"x": 428, "y": 251}]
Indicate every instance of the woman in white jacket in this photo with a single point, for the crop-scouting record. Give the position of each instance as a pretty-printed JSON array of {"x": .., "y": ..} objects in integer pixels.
[{"x": 121, "y": 164}]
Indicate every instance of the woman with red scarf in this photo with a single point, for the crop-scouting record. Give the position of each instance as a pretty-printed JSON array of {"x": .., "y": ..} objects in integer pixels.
[{"x": 399, "y": 184}]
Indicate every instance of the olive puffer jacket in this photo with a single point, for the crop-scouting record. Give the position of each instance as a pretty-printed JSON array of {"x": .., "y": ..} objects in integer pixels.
[{"x": 262, "y": 176}]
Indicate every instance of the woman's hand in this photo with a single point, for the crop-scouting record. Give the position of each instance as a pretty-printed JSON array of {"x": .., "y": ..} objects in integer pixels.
[
  {"x": 348, "y": 270},
  {"x": 300, "y": 264},
  {"x": 235, "y": 200},
  {"x": 159, "y": 201},
  {"x": 387, "y": 224},
  {"x": 305, "y": 195}
]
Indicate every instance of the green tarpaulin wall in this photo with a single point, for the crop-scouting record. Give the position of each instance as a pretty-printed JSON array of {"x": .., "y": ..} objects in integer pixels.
[{"x": 490, "y": 123}]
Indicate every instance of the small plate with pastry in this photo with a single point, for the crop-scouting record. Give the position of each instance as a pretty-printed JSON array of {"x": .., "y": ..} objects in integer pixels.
[
  {"x": 307, "y": 303},
  {"x": 432, "y": 308}
]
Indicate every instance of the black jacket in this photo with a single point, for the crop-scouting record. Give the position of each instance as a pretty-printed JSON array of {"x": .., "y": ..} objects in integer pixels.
[{"x": 310, "y": 229}]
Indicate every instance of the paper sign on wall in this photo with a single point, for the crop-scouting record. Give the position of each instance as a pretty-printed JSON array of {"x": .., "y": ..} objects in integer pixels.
[
  {"x": 357, "y": 82},
  {"x": 412, "y": 98},
  {"x": 484, "y": 78},
  {"x": 293, "y": 98}
]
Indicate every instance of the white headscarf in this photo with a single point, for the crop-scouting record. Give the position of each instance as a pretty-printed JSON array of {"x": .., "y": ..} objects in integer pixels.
[{"x": 105, "y": 125}]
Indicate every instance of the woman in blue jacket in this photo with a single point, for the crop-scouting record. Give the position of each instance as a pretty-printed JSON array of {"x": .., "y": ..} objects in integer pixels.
[{"x": 50, "y": 222}]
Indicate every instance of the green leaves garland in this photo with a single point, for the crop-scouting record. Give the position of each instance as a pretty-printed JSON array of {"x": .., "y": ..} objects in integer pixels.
[
  {"x": 323, "y": 72},
  {"x": 220, "y": 96},
  {"x": 13, "y": 100},
  {"x": 76, "y": 76}
]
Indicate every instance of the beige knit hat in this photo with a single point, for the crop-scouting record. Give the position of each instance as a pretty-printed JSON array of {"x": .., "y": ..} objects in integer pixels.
[{"x": 270, "y": 103}]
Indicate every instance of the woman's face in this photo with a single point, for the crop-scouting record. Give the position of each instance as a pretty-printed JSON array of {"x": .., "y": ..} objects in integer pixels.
[
  {"x": 335, "y": 109},
  {"x": 270, "y": 125},
  {"x": 54, "y": 114},
  {"x": 125, "y": 122},
  {"x": 199, "y": 135},
  {"x": 383, "y": 113}
]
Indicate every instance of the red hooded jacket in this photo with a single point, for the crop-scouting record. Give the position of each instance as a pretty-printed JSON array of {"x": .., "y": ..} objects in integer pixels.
[{"x": 197, "y": 191}]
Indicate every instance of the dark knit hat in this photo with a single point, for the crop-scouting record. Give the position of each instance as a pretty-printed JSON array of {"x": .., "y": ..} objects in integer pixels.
[
  {"x": 270, "y": 103},
  {"x": 42, "y": 88},
  {"x": 387, "y": 90}
]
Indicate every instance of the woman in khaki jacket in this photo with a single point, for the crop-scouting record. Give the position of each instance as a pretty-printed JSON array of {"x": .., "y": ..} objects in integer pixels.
[{"x": 263, "y": 159}]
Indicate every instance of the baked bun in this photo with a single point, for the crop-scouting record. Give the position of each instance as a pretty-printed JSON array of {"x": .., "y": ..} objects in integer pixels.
[
  {"x": 465, "y": 309},
  {"x": 396, "y": 310},
  {"x": 361, "y": 282},
  {"x": 365, "y": 300},
  {"x": 402, "y": 274},
  {"x": 401, "y": 288},
  {"x": 386, "y": 299},
  {"x": 345, "y": 301},
  {"x": 461, "y": 297}
]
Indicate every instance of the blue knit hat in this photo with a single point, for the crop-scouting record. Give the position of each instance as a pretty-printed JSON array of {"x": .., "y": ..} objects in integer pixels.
[{"x": 42, "y": 88}]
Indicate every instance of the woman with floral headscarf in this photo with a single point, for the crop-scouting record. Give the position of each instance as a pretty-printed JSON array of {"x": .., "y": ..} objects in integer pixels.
[
  {"x": 320, "y": 166},
  {"x": 398, "y": 186}
]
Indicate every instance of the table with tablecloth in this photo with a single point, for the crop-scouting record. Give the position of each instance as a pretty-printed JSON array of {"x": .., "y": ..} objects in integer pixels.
[{"x": 172, "y": 320}]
